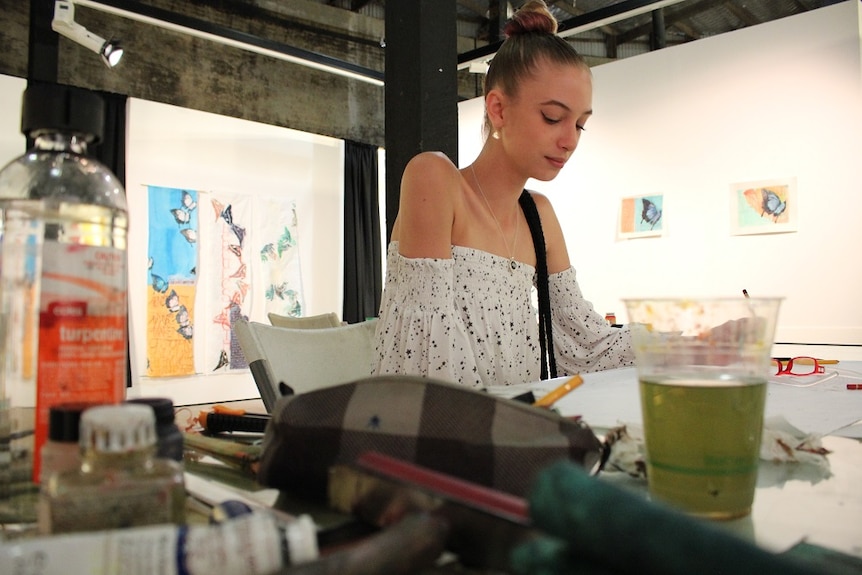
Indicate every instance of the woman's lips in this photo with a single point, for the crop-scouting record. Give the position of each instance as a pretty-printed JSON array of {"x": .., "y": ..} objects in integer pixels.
[{"x": 556, "y": 162}]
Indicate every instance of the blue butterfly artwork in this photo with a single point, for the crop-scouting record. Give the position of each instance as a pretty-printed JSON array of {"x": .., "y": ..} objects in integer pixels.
[
  {"x": 650, "y": 214},
  {"x": 772, "y": 204},
  {"x": 768, "y": 202}
]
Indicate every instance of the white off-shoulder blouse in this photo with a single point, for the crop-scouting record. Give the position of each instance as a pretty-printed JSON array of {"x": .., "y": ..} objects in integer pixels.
[{"x": 471, "y": 319}]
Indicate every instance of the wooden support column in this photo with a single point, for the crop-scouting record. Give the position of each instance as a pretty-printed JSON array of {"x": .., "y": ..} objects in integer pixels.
[{"x": 421, "y": 93}]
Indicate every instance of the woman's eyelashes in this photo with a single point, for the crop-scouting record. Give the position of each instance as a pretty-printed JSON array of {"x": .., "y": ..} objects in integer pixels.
[
  {"x": 549, "y": 119},
  {"x": 556, "y": 120}
]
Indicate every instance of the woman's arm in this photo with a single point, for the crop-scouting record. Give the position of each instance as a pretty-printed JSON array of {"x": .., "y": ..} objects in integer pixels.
[{"x": 426, "y": 212}]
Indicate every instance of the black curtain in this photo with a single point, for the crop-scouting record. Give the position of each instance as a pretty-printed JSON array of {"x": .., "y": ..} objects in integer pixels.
[
  {"x": 111, "y": 151},
  {"x": 363, "y": 282}
]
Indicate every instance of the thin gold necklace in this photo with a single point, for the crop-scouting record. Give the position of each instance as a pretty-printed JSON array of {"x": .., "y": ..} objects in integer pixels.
[{"x": 512, "y": 263}]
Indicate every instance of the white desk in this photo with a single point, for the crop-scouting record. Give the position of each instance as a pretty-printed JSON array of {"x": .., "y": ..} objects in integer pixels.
[{"x": 793, "y": 502}]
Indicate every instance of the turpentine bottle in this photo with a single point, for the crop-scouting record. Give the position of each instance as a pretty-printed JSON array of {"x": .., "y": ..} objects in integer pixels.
[{"x": 63, "y": 223}]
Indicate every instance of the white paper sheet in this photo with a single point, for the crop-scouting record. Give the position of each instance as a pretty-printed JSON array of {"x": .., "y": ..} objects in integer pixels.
[{"x": 610, "y": 398}]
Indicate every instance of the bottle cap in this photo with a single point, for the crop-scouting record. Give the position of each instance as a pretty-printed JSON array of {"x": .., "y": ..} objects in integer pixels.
[
  {"x": 64, "y": 421},
  {"x": 118, "y": 428},
  {"x": 163, "y": 407},
  {"x": 56, "y": 107},
  {"x": 301, "y": 536}
]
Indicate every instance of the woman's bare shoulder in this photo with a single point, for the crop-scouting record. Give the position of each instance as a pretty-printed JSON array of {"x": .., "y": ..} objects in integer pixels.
[
  {"x": 431, "y": 164},
  {"x": 430, "y": 177},
  {"x": 429, "y": 196}
]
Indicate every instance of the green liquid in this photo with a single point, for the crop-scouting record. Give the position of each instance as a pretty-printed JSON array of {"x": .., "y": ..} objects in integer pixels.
[{"x": 703, "y": 443}]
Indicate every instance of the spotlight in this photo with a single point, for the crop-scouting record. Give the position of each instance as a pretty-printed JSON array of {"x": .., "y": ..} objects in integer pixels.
[{"x": 64, "y": 23}]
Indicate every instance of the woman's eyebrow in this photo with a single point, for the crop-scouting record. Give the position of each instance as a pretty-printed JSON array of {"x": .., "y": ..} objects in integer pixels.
[{"x": 564, "y": 106}]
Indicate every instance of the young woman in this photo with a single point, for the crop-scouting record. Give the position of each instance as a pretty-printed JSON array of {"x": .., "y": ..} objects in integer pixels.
[{"x": 461, "y": 264}]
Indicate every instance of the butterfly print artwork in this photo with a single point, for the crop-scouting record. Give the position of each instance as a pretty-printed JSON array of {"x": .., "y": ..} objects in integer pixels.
[
  {"x": 768, "y": 202},
  {"x": 650, "y": 213}
]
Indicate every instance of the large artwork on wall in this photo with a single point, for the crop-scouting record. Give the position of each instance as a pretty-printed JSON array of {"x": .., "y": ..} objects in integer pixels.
[
  {"x": 763, "y": 207},
  {"x": 214, "y": 257},
  {"x": 172, "y": 266}
]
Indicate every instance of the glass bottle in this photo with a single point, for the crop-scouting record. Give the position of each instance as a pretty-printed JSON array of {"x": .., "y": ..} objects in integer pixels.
[
  {"x": 62, "y": 451},
  {"x": 121, "y": 483},
  {"x": 63, "y": 307},
  {"x": 169, "y": 437}
]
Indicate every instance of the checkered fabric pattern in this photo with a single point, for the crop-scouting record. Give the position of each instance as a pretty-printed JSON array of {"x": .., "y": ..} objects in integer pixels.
[{"x": 496, "y": 442}]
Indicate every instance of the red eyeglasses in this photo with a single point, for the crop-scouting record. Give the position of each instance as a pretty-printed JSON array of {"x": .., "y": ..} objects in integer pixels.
[{"x": 802, "y": 365}]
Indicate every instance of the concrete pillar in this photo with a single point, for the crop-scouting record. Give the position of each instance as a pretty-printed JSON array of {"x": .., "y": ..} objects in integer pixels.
[{"x": 421, "y": 95}]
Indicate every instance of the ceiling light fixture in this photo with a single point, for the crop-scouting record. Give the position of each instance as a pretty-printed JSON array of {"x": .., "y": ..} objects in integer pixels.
[
  {"x": 192, "y": 27},
  {"x": 64, "y": 24}
]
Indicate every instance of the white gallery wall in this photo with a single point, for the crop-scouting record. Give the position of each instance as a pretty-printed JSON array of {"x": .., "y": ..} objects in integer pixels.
[
  {"x": 782, "y": 99},
  {"x": 12, "y": 141}
]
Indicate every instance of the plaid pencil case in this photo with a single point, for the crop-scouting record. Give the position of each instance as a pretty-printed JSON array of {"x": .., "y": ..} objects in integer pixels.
[{"x": 490, "y": 440}]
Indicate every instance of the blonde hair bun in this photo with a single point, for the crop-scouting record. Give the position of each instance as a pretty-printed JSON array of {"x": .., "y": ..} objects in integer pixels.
[{"x": 531, "y": 18}]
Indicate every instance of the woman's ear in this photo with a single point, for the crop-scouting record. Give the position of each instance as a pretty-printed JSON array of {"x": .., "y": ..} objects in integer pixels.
[{"x": 495, "y": 102}]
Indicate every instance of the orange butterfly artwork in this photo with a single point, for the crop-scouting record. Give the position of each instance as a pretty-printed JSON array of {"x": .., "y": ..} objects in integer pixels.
[{"x": 769, "y": 202}]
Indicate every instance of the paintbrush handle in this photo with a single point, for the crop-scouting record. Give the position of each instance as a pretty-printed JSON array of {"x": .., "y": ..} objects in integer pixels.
[
  {"x": 552, "y": 397},
  {"x": 407, "y": 547}
]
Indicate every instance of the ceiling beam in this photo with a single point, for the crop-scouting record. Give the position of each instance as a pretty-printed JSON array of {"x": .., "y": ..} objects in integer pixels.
[
  {"x": 202, "y": 29},
  {"x": 741, "y": 13},
  {"x": 671, "y": 18},
  {"x": 587, "y": 21}
]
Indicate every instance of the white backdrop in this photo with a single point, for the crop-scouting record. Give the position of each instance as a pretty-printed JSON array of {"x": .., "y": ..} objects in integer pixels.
[
  {"x": 12, "y": 141},
  {"x": 776, "y": 100}
]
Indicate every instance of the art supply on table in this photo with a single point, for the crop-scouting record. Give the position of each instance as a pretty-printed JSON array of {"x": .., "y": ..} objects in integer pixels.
[
  {"x": 120, "y": 482},
  {"x": 299, "y": 532},
  {"x": 169, "y": 438},
  {"x": 592, "y": 526},
  {"x": 253, "y": 544},
  {"x": 702, "y": 395},
  {"x": 238, "y": 455},
  {"x": 64, "y": 223},
  {"x": 745, "y": 293},
  {"x": 611, "y": 318},
  {"x": 62, "y": 451},
  {"x": 484, "y": 523},
  {"x": 555, "y": 395},
  {"x": 220, "y": 421},
  {"x": 806, "y": 360}
]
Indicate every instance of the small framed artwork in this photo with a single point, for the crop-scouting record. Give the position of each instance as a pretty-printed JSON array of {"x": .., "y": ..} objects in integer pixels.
[
  {"x": 641, "y": 216},
  {"x": 763, "y": 207}
]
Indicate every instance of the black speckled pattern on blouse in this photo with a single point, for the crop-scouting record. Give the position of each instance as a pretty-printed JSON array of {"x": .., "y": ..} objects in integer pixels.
[{"x": 471, "y": 320}]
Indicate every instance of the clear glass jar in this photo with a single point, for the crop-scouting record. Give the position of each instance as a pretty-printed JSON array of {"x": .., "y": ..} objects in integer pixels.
[
  {"x": 63, "y": 296},
  {"x": 169, "y": 442},
  {"x": 121, "y": 483}
]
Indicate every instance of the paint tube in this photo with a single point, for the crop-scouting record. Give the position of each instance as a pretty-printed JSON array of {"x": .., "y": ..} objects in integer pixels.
[{"x": 253, "y": 544}]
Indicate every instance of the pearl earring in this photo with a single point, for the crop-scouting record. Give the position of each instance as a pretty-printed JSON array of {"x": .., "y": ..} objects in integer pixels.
[{"x": 495, "y": 135}]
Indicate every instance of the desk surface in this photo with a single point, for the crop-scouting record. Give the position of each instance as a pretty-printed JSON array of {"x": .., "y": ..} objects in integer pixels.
[{"x": 793, "y": 502}]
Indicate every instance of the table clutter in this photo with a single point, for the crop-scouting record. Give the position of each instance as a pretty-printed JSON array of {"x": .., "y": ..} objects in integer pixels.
[{"x": 388, "y": 514}]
